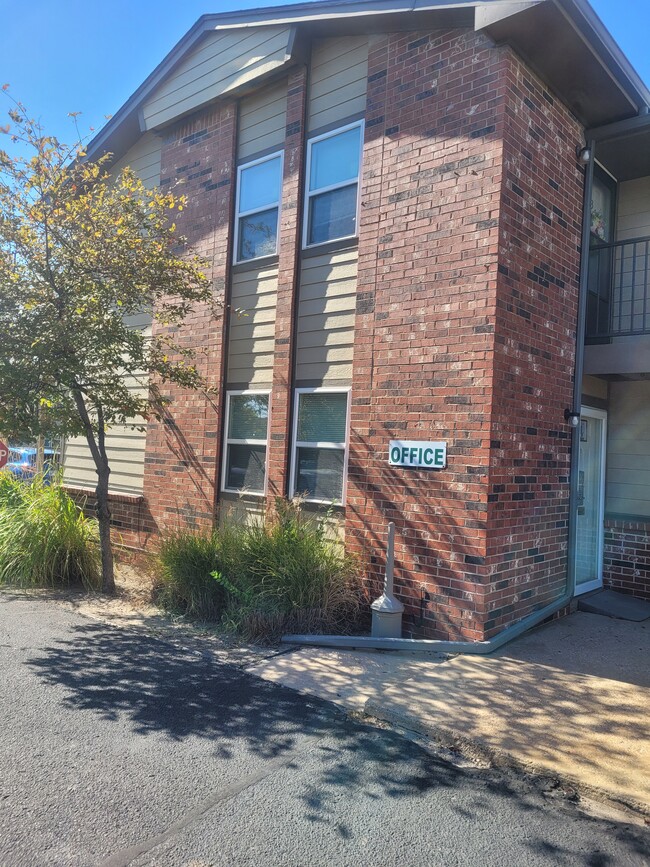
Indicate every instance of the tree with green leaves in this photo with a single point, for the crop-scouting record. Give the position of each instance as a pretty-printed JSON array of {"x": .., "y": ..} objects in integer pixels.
[{"x": 83, "y": 250}]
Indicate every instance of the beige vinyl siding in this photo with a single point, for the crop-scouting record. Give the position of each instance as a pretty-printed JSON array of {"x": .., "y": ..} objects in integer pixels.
[
  {"x": 326, "y": 311},
  {"x": 252, "y": 333},
  {"x": 125, "y": 444},
  {"x": 630, "y": 299},
  {"x": 251, "y": 342},
  {"x": 125, "y": 447},
  {"x": 339, "y": 73},
  {"x": 222, "y": 62},
  {"x": 628, "y": 449},
  {"x": 262, "y": 121},
  {"x": 241, "y": 510},
  {"x": 593, "y": 386},
  {"x": 633, "y": 209},
  {"x": 144, "y": 159}
]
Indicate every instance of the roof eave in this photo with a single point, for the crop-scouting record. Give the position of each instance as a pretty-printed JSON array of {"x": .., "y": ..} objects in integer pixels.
[
  {"x": 585, "y": 15},
  {"x": 322, "y": 10},
  {"x": 578, "y": 59},
  {"x": 502, "y": 22}
]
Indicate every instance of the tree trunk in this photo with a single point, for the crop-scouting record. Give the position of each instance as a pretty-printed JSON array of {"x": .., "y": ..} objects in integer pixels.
[
  {"x": 40, "y": 455},
  {"x": 102, "y": 468},
  {"x": 104, "y": 520}
]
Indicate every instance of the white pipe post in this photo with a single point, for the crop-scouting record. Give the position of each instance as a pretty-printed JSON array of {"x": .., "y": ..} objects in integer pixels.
[
  {"x": 387, "y": 611},
  {"x": 390, "y": 561}
]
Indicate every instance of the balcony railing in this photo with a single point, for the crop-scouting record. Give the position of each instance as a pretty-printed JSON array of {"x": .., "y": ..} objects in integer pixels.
[{"x": 618, "y": 303}]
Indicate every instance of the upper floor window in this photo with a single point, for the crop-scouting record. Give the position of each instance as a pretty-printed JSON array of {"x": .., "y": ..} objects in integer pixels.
[
  {"x": 332, "y": 196},
  {"x": 258, "y": 207}
]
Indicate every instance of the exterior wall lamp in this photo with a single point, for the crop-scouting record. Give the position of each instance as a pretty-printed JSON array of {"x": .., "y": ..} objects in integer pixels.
[
  {"x": 583, "y": 154},
  {"x": 571, "y": 417}
]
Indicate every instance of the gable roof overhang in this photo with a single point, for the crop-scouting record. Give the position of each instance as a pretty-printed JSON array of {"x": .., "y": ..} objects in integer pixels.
[
  {"x": 577, "y": 57},
  {"x": 565, "y": 42}
]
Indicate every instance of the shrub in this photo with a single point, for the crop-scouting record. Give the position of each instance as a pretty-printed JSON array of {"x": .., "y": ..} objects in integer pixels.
[
  {"x": 185, "y": 563},
  {"x": 284, "y": 574},
  {"x": 45, "y": 539}
]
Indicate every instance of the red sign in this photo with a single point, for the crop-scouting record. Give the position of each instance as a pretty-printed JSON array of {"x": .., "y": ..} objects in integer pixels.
[{"x": 4, "y": 454}]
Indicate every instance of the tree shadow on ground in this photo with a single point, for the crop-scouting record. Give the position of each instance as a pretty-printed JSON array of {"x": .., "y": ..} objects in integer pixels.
[{"x": 158, "y": 687}]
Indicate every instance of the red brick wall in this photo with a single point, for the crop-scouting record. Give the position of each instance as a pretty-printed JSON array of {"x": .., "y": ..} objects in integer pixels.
[
  {"x": 182, "y": 452},
  {"x": 131, "y": 520},
  {"x": 425, "y": 319},
  {"x": 465, "y": 331},
  {"x": 627, "y": 557},
  {"x": 534, "y": 353}
]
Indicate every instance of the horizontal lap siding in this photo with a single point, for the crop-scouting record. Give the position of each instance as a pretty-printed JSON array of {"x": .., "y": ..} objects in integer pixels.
[
  {"x": 339, "y": 73},
  {"x": 223, "y": 62},
  {"x": 630, "y": 262},
  {"x": 251, "y": 341},
  {"x": 628, "y": 449},
  {"x": 592, "y": 386},
  {"x": 252, "y": 330},
  {"x": 241, "y": 511},
  {"x": 144, "y": 159},
  {"x": 262, "y": 121},
  {"x": 328, "y": 283},
  {"x": 633, "y": 209},
  {"x": 125, "y": 444},
  {"x": 125, "y": 447},
  {"x": 326, "y": 313}
]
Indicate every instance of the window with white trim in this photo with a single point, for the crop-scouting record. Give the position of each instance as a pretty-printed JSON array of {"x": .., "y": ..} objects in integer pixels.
[
  {"x": 259, "y": 185},
  {"x": 247, "y": 423},
  {"x": 332, "y": 194},
  {"x": 320, "y": 445}
]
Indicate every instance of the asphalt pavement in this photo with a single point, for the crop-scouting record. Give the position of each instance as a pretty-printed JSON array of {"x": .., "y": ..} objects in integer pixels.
[{"x": 120, "y": 748}]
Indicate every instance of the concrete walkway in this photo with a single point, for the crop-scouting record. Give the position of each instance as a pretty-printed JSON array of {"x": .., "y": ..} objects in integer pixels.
[{"x": 571, "y": 698}]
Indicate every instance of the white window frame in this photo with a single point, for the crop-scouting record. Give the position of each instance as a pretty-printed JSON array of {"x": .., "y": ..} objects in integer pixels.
[
  {"x": 341, "y": 185},
  {"x": 228, "y": 441},
  {"x": 296, "y": 444},
  {"x": 239, "y": 214}
]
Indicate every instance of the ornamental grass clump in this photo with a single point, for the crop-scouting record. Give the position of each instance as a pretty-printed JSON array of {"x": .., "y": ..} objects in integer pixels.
[
  {"x": 186, "y": 560},
  {"x": 281, "y": 574},
  {"x": 45, "y": 539}
]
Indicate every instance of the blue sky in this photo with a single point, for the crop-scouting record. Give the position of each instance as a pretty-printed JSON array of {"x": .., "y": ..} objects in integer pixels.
[{"x": 86, "y": 56}]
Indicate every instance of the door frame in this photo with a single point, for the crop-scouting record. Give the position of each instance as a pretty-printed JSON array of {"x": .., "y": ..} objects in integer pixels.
[{"x": 601, "y": 414}]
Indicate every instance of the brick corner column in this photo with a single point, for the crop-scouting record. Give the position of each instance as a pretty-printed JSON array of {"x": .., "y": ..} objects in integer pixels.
[{"x": 183, "y": 451}]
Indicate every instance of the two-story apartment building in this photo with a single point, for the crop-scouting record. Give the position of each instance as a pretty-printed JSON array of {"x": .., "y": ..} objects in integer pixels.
[{"x": 435, "y": 218}]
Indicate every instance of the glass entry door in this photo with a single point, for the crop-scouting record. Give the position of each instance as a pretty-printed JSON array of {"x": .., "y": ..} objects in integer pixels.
[{"x": 591, "y": 500}]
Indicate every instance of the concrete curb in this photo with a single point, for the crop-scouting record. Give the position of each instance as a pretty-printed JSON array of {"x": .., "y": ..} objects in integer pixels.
[{"x": 479, "y": 752}]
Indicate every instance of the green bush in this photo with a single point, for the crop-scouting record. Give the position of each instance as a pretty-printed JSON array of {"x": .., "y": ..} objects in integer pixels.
[
  {"x": 45, "y": 539},
  {"x": 280, "y": 575},
  {"x": 185, "y": 563}
]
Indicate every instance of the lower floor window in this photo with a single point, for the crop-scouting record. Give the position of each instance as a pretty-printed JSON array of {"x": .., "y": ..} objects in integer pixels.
[
  {"x": 319, "y": 452},
  {"x": 247, "y": 420}
]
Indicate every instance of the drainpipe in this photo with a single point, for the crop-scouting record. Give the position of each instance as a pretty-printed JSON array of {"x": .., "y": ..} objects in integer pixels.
[
  {"x": 579, "y": 368},
  {"x": 483, "y": 647}
]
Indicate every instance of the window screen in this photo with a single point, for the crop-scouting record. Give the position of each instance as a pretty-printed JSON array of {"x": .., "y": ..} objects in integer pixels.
[
  {"x": 319, "y": 449},
  {"x": 258, "y": 208},
  {"x": 246, "y": 442},
  {"x": 333, "y": 188}
]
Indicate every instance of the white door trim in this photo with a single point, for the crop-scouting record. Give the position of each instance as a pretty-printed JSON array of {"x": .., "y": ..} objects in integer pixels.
[{"x": 597, "y": 583}]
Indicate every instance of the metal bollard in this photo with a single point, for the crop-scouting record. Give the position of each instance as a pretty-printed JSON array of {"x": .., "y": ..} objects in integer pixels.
[{"x": 386, "y": 610}]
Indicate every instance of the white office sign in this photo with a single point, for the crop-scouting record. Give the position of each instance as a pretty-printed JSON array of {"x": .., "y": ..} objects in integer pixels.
[{"x": 411, "y": 453}]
